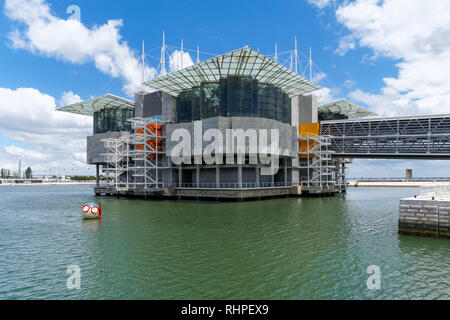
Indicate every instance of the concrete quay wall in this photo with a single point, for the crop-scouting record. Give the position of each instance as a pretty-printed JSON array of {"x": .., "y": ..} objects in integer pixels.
[{"x": 424, "y": 217}]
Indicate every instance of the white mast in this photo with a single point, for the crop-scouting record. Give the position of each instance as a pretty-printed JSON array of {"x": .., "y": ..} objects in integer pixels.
[
  {"x": 276, "y": 52},
  {"x": 296, "y": 55},
  {"x": 290, "y": 67},
  {"x": 163, "y": 56},
  {"x": 143, "y": 65},
  {"x": 198, "y": 54},
  {"x": 310, "y": 64},
  {"x": 182, "y": 53}
]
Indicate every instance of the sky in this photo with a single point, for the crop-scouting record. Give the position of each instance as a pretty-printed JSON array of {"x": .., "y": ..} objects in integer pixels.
[{"x": 390, "y": 56}]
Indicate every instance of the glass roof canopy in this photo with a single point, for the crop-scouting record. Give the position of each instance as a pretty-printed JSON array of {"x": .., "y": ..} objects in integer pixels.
[
  {"x": 346, "y": 108},
  {"x": 241, "y": 62},
  {"x": 88, "y": 107}
]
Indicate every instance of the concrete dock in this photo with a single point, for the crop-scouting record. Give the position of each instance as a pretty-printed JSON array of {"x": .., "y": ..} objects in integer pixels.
[{"x": 427, "y": 215}]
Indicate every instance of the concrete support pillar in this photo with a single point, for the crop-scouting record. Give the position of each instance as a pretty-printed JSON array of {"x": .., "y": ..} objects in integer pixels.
[
  {"x": 273, "y": 179},
  {"x": 258, "y": 170},
  {"x": 180, "y": 176},
  {"x": 198, "y": 176},
  {"x": 295, "y": 171},
  {"x": 97, "y": 175},
  {"x": 304, "y": 110},
  {"x": 285, "y": 171},
  {"x": 240, "y": 176},
  {"x": 217, "y": 176}
]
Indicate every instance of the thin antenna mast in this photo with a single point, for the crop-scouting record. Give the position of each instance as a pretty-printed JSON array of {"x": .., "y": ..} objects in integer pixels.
[
  {"x": 310, "y": 64},
  {"x": 276, "y": 52},
  {"x": 163, "y": 56},
  {"x": 181, "y": 56},
  {"x": 290, "y": 67},
  {"x": 198, "y": 54},
  {"x": 296, "y": 55},
  {"x": 143, "y": 64}
]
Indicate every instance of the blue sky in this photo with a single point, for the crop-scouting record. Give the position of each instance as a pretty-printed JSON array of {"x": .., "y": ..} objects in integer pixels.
[
  {"x": 215, "y": 26},
  {"x": 351, "y": 60}
]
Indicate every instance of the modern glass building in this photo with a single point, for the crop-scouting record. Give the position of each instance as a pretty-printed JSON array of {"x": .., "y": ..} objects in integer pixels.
[{"x": 242, "y": 89}]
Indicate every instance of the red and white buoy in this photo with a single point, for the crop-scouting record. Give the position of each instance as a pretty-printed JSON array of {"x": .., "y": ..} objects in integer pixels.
[{"x": 92, "y": 211}]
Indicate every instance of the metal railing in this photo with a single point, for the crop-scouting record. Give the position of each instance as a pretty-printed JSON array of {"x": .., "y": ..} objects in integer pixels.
[{"x": 237, "y": 186}]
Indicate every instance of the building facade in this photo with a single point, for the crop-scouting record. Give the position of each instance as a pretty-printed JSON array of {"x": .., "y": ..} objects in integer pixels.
[{"x": 241, "y": 94}]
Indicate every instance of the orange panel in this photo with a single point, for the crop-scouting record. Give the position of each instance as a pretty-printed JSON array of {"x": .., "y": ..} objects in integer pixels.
[
  {"x": 308, "y": 130},
  {"x": 155, "y": 130}
]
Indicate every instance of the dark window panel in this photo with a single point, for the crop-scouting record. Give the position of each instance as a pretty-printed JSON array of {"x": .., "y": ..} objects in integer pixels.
[
  {"x": 247, "y": 96},
  {"x": 234, "y": 97},
  {"x": 196, "y": 109},
  {"x": 223, "y": 98},
  {"x": 255, "y": 101},
  {"x": 210, "y": 100}
]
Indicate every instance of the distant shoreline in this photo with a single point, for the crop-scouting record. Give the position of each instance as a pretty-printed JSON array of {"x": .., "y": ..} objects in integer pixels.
[
  {"x": 49, "y": 184},
  {"x": 395, "y": 184}
]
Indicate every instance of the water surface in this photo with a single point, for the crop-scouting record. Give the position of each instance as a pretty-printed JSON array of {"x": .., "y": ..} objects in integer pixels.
[{"x": 308, "y": 248}]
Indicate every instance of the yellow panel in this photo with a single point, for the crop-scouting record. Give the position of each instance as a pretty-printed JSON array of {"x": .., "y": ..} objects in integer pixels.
[{"x": 308, "y": 130}]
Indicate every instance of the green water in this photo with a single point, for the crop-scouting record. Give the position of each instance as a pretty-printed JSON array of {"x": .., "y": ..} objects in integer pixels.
[{"x": 274, "y": 249}]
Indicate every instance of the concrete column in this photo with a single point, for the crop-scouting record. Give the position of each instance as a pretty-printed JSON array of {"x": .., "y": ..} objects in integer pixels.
[
  {"x": 97, "y": 175},
  {"x": 304, "y": 110},
  {"x": 257, "y": 175},
  {"x": 285, "y": 170},
  {"x": 273, "y": 179},
  {"x": 217, "y": 176},
  {"x": 295, "y": 171},
  {"x": 240, "y": 175},
  {"x": 198, "y": 176},
  {"x": 180, "y": 176}
]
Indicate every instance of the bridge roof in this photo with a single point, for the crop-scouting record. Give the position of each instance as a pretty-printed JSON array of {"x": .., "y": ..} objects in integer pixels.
[
  {"x": 241, "y": 62},
  {"x": 346, "y": 108},
  {"x": 88, "y": 107}
]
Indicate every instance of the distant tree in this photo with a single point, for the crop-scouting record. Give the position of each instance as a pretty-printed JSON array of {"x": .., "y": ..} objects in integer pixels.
[
  {"x": 28, "y": 173},
  {"x": 82, "y": 178}
]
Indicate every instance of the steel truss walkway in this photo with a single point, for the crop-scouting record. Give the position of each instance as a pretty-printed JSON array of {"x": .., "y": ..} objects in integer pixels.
[{"x": 424, "y": 137}]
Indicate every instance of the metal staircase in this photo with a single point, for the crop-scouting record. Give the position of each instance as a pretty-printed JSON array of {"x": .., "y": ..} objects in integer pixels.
[
  {"x": 117, "y": 161},
  {"x": 317, "y": 160}
]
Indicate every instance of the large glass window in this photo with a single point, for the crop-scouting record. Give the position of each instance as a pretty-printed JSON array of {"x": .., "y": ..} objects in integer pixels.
[
  {"x": 234, "y": 97},
  {"x": 210, "y": 100},
  {"x": 184, "y": 107},
  {"x": 112, "y": 120},
  {"x": 196, "y": 109},
  {"x": 247, "y": 96}
]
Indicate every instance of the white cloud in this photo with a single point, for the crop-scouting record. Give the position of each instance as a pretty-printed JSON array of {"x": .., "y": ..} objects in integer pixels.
[
  {"x": 52, "y": 138},
  {"x": 345, "y": 44},
  {"x": 69, "y": 98},
  {"x": 349, "y": 84},
  {"x": 320, "y": 3},
  {"x": 318, "y": 76},
  {"x": 323, "y": 95},
  {"x": 179, "y": 60},
  {"x": 43, "y": 33},
  {"x": 419, "y": 38}
]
